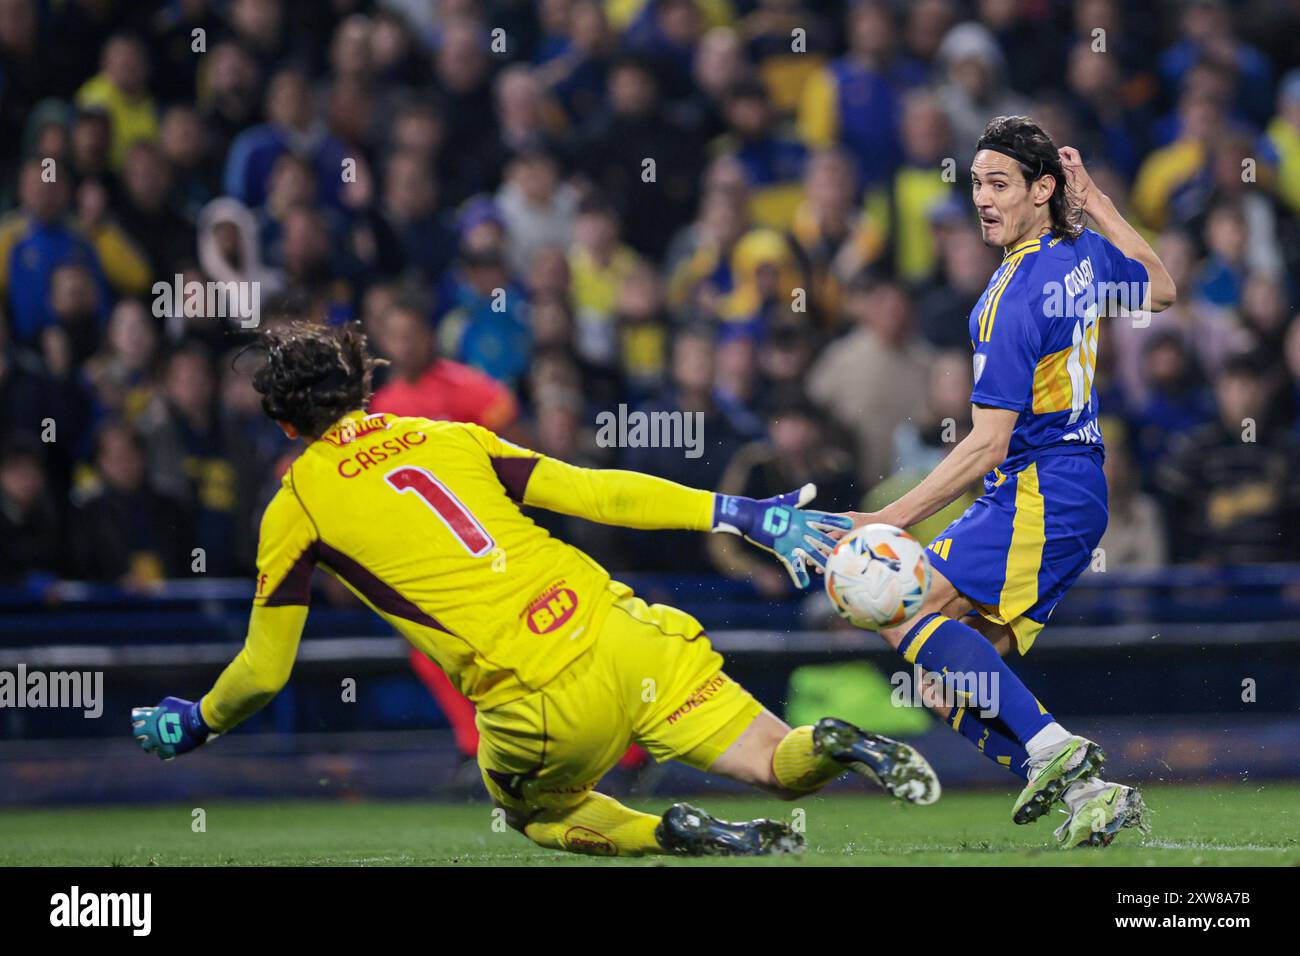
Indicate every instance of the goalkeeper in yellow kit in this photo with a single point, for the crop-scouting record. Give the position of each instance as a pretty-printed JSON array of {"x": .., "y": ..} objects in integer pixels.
[{"x": 421, "y": 519}]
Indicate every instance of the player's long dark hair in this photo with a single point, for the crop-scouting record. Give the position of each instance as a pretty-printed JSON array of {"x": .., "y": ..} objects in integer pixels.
[
  {"x": 314, "y": 375},
  {"x": 1023, "y": 140}
]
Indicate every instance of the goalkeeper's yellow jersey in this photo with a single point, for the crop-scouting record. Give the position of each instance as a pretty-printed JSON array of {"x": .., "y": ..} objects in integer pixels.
[{"x": 422, "y": 520}]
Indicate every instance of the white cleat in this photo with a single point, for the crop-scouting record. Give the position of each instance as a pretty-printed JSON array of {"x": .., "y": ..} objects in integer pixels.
[{"x": 1098, "y": 811}]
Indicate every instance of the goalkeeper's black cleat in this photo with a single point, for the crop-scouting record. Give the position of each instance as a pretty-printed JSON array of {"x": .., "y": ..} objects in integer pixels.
[
  {"x": 899, "y": 769},
  {"x": 688, "y": 831}
]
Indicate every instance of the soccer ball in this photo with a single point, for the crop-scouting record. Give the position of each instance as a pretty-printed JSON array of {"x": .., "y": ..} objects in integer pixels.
[{"x": 877, "y": 576}]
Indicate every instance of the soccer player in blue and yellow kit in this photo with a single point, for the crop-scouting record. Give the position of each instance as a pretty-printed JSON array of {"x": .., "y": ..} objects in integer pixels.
[
  {"x": 421, "y": 519},
  {"x": 1005, "y": 563}
]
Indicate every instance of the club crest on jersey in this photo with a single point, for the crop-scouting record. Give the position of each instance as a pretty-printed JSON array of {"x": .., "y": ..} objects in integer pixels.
[{"x": 551, "y": 609}]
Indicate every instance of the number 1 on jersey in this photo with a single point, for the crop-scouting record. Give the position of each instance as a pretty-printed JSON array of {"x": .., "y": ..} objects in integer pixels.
[{"x": 445, "y": 505}]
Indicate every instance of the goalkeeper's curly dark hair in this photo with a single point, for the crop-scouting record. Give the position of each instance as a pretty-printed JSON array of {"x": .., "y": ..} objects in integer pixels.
[{"x": 314, "y": 375}]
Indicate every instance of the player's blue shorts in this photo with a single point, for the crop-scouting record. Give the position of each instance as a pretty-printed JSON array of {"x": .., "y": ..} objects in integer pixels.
[{"x": 1020, "y": 546}]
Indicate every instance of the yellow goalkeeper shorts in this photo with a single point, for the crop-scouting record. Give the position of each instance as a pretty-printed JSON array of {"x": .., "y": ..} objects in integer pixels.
[{"x": 650, "y": 676}]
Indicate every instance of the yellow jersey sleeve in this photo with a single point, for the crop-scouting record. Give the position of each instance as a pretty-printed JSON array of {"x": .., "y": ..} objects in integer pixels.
[
  {"x": 611, "y": 496},
  {"x": 260, "y": 671},
  {"x": 286, "y": 557}
]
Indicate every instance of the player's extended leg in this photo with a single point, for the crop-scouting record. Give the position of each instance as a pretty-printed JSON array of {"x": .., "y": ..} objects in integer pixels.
[
  {"x": 791, "y": 762},
  {"x": 788, "y": 763},
  {"x": 940, "y": 642},
  {"x": 990, "y": 736},
  {"x": 541, "y": 767},
  {"x": 1064, "y": 767},
  {"x": 542, "y": 757},
  {"x": 686, "y": 708},
  {"x": 596, "y": 824}
]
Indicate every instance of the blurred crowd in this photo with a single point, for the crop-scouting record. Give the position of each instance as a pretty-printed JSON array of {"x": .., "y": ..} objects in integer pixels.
[{"x": 754, "y": 210}]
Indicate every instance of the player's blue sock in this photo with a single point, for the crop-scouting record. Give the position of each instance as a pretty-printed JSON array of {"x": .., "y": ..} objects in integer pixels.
[
  {"x": 989, "y": 740},
  {"x": 956, "y": 650}
]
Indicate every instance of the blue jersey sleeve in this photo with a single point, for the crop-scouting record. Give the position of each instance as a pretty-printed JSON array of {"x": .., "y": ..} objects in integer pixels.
[
  {"x": 1126, "y": 272},
  {"x": 1007, "y": 354}
]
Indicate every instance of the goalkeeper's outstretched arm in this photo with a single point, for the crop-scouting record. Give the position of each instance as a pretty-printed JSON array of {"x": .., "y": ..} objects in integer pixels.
[
  {"x": 248, "y": 683},
  {"x": 262, "y": 667},
  {"x": 630, "y": 499}
]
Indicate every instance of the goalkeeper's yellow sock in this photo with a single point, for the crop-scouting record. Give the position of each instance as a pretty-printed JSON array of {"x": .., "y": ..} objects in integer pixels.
[
  {"x": 599, "y": 825},
  {"x": 796, "y": 767}
]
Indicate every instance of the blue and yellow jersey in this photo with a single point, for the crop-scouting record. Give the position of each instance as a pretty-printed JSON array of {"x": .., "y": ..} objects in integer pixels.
[
  {"x": 422, "y": 521},
  {"x": 1035, "y": 332}
]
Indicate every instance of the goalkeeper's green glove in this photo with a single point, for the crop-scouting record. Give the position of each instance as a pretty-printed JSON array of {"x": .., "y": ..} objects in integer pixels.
[
  {"x": 778, "y": 525},
  {"x": 172, "y": 728}
]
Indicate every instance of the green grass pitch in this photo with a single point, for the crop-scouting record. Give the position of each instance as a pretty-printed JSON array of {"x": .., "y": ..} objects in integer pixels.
[{"x": 1239, "y": 824}]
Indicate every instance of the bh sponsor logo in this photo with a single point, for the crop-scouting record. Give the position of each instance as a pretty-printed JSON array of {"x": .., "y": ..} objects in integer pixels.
[{"x": 552, "y": 609}]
